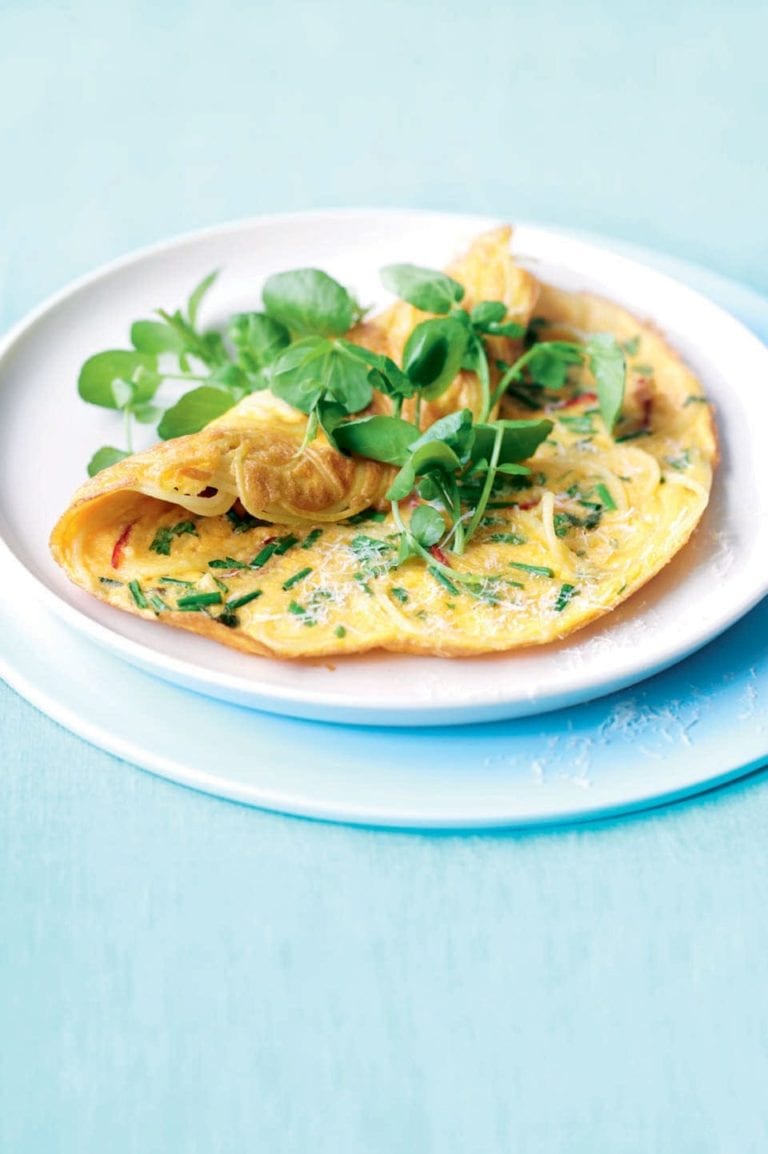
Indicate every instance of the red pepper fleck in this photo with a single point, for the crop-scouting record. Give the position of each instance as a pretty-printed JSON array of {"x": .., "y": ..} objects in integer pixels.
[
  {"x": 527, "y": 504},
  {"x": 120, "y": 543},
  {"x": 581, "y": 399},
  {"x": 439, "y": 555},
  {"x": 269, "y": 540}
]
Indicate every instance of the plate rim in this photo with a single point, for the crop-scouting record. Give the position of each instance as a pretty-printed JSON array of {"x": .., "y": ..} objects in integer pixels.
[{"x": 314, "y": 702}]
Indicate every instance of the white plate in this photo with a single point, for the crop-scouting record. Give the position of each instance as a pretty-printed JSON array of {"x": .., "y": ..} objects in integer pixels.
[{"x": 47, "y": 435}]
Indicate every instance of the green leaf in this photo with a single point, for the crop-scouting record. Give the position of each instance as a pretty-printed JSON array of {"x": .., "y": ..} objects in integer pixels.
[
  {"x": 391, "y": 380},
  {"x": 329, "y": 416},
  {"x": 147, "y": 414},
  {"x": 425, "y": 288},
  {"x": 232, "y": 378},
  {"x": 455, "y": 430},
  {"x": 258, "y": 339},
  {"x": 145, "y": 383},
  {"x": 122, "y": 393},
  {"x": 296, "y": 375},
  {"x": 385, "y": 439},
  {"x": 100, "y": 371},
  {"x": 196, "y": 299},
  {"x": 314, "y": 368},
  {"x": 156, "y": 337},
  {"x": 427, "y": 526},
  {"x": 432, "y": 457},
  {"x": 606, "y": 361},
  {"x": 104, "y": 457},
  {"x": 194, "y": 411},
  {"x": 520, "y": 440},
  {"x": 549, "y": 363},
  {"x": 308, "y": 301},
  {"x": 487, "y": 313},
  {"x": 433, "y": 355}
]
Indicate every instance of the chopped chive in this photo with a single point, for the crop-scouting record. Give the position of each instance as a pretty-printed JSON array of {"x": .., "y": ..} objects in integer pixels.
[
  {"x": 220, "y": 585},
  {"x": 137, "y": 595},
  {"x": 157, "y": 603},
  {"x": 604, "y": 494},
  {"x": 340, "y": 631},
  {"x": 580, "y": 424},
  {"x": 263, "y": 555},
  {"x": 524, "y": 398},
  {"x": 227, "y": 563},
  {"x": 296, "y": 609},
  {"x": 310, "y": 538},
  {"x": 110, "y": 581},
  {"x": 693, "y": 399},
  {"x": 161, "y": 542},
  {"x": 241, "y": 522},
  {"x": 366, "y": 515},
  {"x": 539, "y": 570},
  {"x": 302, "y": 573},
  {"x": 631, "y": 346},
  {"x": 238, "y": 602},
  {"x": 515, "y": 584},
  {"x": 175, "y": 581},
  {"x": 566, "y": 594},
  {"x": 441, "y": 577},
  {"x": 198, "y": 600},
  {"x": 229, "y": 619},
  {"x": 362, "y": 581},
  {"x": 283, "y": 544},
  {"x": 633, "y": 436},
  {"x": 399, "y": 594},
  {"x": 509, "y": 538}
]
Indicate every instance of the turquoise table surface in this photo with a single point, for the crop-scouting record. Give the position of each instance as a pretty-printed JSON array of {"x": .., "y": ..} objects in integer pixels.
[{"x": 186, "y": 976}]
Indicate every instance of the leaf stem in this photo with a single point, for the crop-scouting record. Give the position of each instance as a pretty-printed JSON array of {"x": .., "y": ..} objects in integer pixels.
[
  {"x": 512, "y": 374},
  {"x": 484, "y": 377},
  {"x": 454, "y": 575},
  {"x": 488, "y": 486}
]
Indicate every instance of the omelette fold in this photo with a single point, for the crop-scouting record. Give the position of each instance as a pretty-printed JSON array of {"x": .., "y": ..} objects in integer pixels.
[{"x": 242, "y": 535}]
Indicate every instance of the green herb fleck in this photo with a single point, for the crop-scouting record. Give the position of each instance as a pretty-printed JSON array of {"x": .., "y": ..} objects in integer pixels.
[
  {"x": 366, "y": 515},
  {"x": 226, "y": 563},
  {"x": 310, "y": 538},
  {"x": 508, "y": 538},
  {"x": 340, "y": 631},
  {"x": 443, "y": 580},
  {"x": 161, "y": 543},
  {"x": 296, "y": 609},
  {"x": 604, "y": 494},
  {"x": 137, "y": 595},
  {"x": 283, "y": 544},
  {"x": 565, "y": 596},
  {"x": 241, "y": 522},
  {"x": 538, "y": 570},
  {"x": 297, "y": 577},
  {"x": 198, "y": 600},
  {"x": 399, "y": 594},
  {"x": 239, "y": 602}
]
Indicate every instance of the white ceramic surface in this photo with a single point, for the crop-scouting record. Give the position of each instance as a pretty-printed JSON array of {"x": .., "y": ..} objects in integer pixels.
[{"x": 47, "y": 435}]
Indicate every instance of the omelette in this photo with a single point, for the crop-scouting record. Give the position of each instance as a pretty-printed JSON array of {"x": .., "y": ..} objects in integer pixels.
[{"x": 247, "y": 535}]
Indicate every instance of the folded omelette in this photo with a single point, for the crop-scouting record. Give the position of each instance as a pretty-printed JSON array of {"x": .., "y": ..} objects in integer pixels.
[{"x": 242, "y": 535}]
